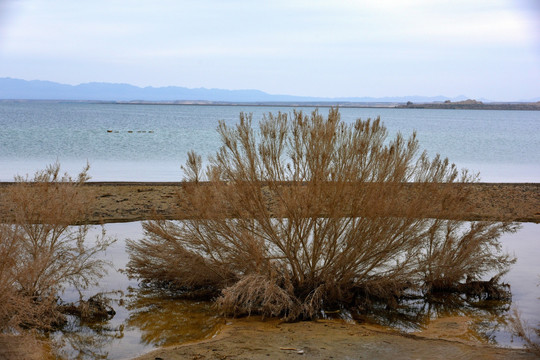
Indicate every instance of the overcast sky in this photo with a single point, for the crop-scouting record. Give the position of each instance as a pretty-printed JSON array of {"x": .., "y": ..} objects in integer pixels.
[{"x": 481, "y": 49}]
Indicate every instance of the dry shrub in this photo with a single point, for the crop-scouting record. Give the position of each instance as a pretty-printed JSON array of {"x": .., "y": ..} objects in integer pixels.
[
  {"x": 259, "y": 293},
  {"x": 41, "y": 252},
  {"x": 311, "y": 213},
  {"x": 454, "y": 251}
]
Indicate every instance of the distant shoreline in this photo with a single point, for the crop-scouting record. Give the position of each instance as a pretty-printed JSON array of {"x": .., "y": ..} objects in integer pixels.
[
  {"x": 460, "y": 105},
  {"x": 473, "y": 105}
]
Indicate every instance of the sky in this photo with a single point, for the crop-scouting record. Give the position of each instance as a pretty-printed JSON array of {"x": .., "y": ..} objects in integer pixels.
[{"x": 483, "y": 49}]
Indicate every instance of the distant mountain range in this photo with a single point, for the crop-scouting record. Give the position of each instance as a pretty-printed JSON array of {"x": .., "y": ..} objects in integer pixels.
[{"x": 17, "y": 89}]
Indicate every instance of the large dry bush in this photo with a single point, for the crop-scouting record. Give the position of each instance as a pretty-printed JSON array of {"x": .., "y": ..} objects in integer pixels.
[
  {"x": 41, "y": 252},
  {"x": 312, "y": 213}
]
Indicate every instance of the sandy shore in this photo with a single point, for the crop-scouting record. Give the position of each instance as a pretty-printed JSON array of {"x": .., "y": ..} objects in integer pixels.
[
  {"x": 251, "y": 338},
  {"x": 134, "y": 201}
]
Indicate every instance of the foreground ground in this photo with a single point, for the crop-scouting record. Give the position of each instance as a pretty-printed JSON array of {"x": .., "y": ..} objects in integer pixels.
[
  {"x": 252, "y": 338},
  {"x": 447, "y": 338},
  {"x": 134, "y": 201}
]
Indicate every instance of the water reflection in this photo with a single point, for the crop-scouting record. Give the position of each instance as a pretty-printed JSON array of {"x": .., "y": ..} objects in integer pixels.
[
  {"x": 145, "y": 320},
  {"x": 527, "y": 333},
  {"x": 487, "y": 316},
  {"x": 153, "y": 319},
  {"x": 164, "y": 320},
  {"x": 80, "y": 340}
]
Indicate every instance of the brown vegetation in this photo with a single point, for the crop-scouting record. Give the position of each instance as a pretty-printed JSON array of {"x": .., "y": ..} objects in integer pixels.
[
  {"x": 41, "y": 252},
  {"x": 303, "y": 216}
]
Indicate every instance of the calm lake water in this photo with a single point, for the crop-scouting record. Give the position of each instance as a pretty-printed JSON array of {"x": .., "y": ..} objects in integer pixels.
[{"x": 150, "y": 142}]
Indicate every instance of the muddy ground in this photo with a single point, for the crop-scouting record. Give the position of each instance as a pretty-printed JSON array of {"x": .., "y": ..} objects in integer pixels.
[
  {"x": 252, "y": 338},
  {"x": 131, "y": 201}
]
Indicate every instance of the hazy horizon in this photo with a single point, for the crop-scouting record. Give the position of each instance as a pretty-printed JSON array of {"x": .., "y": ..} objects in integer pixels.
[
  {"x": 19, "y": 89},
  {"x": 482, "y": 49}
]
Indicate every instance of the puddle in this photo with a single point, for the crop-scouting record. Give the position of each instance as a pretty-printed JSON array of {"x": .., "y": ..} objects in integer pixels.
[
  {"x": 168, "y": 321},
  {"x": 145, "y": 320}
]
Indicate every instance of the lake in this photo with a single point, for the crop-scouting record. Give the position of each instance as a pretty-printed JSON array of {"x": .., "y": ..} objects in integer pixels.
[{"x": 150, "y": 142}]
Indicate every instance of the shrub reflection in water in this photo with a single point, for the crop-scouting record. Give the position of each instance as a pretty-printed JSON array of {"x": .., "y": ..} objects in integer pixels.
[
  {"x": 146, "y": 319},
  {"x": 165, "y": 320}
]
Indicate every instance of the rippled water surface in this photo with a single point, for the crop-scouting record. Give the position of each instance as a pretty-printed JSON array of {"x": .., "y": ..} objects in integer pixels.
[{"x": 150, "y": 142}]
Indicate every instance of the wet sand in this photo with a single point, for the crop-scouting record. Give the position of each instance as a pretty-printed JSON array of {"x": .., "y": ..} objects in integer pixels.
[
  {"x": 135, "y": 201},
  {"x": 252, "y": 338}
]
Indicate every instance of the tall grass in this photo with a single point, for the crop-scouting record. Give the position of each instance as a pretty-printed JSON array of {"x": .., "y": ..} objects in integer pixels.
[{"x": 311, "y": 213}]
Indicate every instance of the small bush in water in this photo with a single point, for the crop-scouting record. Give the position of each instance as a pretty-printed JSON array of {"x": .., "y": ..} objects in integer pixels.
[{"x": 41, "y": 252}]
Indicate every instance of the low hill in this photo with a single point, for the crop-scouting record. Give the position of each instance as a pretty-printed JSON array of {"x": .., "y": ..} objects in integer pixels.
[{"x": 17, "y": 89}]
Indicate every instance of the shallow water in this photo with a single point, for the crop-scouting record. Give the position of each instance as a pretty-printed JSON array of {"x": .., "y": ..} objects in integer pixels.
[
  {"x": 144, "y": 321},
  {"x": 489, "y": 318}
]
